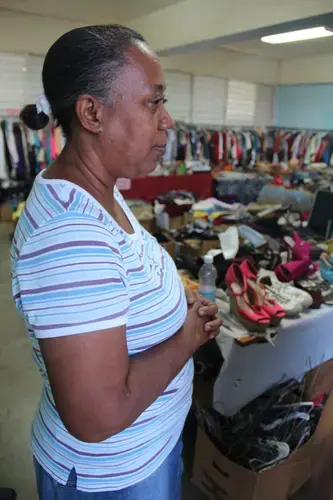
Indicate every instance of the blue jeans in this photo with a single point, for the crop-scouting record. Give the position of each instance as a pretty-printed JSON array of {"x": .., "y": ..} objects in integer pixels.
[{"x": 163, "y": 484}]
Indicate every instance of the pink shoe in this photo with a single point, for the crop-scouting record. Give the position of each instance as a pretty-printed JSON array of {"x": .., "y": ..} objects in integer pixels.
[
  {"x": 295, "y": 270},
  {"x": 243, "y": 301},
  {"x": 270, "y": 306},
  {"x": 299, "y": 248}
]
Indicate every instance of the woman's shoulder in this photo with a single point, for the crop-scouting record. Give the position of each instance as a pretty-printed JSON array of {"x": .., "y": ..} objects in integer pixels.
[
  {"x": 63, "y": 230},
  {"x": 51, "y": 198}
]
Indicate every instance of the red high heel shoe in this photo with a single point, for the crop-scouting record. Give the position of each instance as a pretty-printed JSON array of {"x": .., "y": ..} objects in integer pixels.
[
  {"x": 243, "y": 302},
  {"x": 272, "y": 308},
  {"x": 299, "y": 248},
  {"x": 295, "y": 270}
]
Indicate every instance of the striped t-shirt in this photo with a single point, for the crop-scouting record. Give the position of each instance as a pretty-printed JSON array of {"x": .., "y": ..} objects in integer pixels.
[{"x": 74, "y": 270}]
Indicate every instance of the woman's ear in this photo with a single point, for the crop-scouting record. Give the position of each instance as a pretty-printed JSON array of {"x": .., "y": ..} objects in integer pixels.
[{"x": 89, "y": 111}]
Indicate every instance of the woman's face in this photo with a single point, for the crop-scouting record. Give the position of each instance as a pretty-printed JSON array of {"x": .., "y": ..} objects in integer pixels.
[{"x": 134, "y": 135}]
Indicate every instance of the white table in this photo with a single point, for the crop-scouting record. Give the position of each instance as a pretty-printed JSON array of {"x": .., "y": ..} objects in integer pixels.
[{"x": 302, "y": 344}]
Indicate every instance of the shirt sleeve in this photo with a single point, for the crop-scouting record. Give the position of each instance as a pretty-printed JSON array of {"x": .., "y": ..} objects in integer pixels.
[{"x": 71, "y": 279}]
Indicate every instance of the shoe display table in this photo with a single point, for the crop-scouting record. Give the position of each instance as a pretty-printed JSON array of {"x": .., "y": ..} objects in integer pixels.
[
  {"x": 150, "y": 187},
  {"x": 301, "y": 345}
]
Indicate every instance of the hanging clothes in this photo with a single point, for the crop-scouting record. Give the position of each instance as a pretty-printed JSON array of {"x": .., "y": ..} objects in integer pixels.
[{"x": 3, "y": 163}]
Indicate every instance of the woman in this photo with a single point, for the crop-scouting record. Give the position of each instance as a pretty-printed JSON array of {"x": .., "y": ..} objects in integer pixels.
[{"x": 105, "y": 309}]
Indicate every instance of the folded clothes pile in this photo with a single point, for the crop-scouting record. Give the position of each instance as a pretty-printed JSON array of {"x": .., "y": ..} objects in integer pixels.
[
  {"x": 198, "y": 230},
  {"x": 268, "y": 429},
  {"x": 175, "y": 203}
]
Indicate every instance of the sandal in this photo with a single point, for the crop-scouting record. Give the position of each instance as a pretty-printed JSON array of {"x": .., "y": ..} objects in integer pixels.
[
  {"x": 243, "y": 301},
  {"x": 269, "y": 305}
]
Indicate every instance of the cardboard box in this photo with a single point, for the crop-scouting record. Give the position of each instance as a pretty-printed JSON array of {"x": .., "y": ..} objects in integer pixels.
[
  {"x": 188, "y": 218},
  {"x": 173, "y": 223},
  {"x": 149, "y": 225},
  {"x": 176, "y": 222},
  {"x": 169, "y": 245},
  {"x": 145, "y": 215},
  {"x": 220, "y": 478},
  {"x": 6, "y": 212},
  {"x": 199, "y": 248}
]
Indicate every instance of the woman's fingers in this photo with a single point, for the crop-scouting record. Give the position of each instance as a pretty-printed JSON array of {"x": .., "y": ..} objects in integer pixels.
[
  {"x": 210, "y": 309},
  {"x": 191, "y": 296},
  {"x": 214, "y": 326}
]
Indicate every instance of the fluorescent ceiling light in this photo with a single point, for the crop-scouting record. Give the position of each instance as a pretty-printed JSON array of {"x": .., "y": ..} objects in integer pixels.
[{"x": 298, "y": 36}]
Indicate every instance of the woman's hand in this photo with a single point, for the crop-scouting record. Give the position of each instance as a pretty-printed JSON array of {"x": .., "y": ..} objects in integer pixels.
[
  {"x": 202, "y": 322},
  {"x": 207, "y": 310}
]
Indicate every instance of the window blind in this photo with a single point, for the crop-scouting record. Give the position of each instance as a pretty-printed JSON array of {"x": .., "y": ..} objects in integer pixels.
[
  {"x": 179, "y": 92},
  {"x": 241, "y": 102},
  {"x": 12, "y": 76},
  {"x": 20, "y": 81},
  {"x": 33, "y": 86},
  {"x": 192, "y": 99},
  {"x": 208, "y": 100}
]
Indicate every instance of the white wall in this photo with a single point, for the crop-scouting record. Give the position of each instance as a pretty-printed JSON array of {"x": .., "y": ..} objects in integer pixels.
[
  {"x": 22, "y": 33},
  {"x": 225, "y": 64},
  {"x": 318, "y": 69}
]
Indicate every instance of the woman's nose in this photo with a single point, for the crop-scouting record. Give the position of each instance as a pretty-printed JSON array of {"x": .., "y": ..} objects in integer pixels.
[{"x": 166, "y": 121}]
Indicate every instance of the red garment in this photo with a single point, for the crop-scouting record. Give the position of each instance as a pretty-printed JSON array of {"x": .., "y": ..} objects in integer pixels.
[
  {"x": 277, "y": 144},
  {"x": 216, "y": 141},
  {"x": 225, "y": 147},
  {"x": 290, "y": 140},
  {"x": 321, "y": 149}
]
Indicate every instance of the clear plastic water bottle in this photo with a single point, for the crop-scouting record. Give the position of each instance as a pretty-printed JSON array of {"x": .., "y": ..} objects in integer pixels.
[{"x": 207, "y": 277}]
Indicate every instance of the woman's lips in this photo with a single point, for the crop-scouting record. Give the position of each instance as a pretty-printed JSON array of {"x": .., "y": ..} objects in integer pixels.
[{"x": 160, "y": 148}]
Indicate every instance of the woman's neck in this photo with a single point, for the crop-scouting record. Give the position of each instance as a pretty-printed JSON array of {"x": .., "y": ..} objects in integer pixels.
[{"x": 84, "y": 169}]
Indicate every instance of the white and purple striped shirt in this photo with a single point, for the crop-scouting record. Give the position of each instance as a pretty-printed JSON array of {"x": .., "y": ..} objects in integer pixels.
[{"x": 74, "y": 270}]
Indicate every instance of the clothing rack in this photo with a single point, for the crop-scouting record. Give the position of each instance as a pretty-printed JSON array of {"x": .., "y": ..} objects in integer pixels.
[
  {"x": 303, "y": 144},
  {"x": 217, "y": 145},
  {"x": 218, "y": 128},
  {"x": 24, "y": 152},
  {"x": 303, "y": 129}
]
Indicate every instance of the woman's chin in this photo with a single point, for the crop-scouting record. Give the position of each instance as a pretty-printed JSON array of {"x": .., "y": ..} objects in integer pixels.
[{"x": 148, "y": 168}]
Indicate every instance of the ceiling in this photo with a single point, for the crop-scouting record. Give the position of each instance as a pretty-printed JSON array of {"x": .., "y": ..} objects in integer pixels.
[
  {"x": 284, "y": 51},
  {"x": 89, "y": 11}
]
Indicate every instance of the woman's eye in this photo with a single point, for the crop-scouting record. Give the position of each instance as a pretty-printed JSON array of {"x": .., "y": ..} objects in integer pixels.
[{"x": 156, "y": 102}]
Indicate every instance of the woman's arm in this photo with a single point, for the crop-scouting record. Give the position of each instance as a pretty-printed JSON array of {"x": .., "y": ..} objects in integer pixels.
[{"x": 99, "y": 390}]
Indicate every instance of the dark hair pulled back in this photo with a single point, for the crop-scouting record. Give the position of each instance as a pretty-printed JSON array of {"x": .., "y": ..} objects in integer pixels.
[{"x": 83, "y": 61}]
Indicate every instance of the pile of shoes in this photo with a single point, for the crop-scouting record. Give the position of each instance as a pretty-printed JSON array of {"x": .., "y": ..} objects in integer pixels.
[
  {"x": 301, "y": 269},
  {"x": 293, "y": 300},
  {"x": 261, "y": 298},
  {"x": 249, "y": 301},
  {"x": 268, "y": 429}
]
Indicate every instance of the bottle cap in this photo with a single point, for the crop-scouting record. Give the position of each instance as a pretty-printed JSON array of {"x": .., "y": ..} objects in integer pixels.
[{"x": 208, "y": 259}]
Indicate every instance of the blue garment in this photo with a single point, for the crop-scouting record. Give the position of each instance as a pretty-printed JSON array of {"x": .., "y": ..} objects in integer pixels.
[{"x": 163, "y": 484}]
